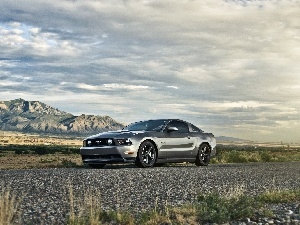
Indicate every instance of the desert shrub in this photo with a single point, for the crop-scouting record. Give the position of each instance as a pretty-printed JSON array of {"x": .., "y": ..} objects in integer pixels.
[
  {"x": 280, "y": 196},
  {"x": 236, "y": 157},
  {"x": 283, "y": 158},
  {"x": 265, "y": 156},
  {"x": 254, "y": 157},
  {"x": 46, "y": 149},
  {"x": 214, "y": 161},
  {"x": 68, "y": 163},
  {"x": 69, "y": 150},
  {"x": 41, "y": 150},
  {"x": 26, "y": 152},
  {"x": 213, "y": 208},
  {"x": 46, "y": 160},
  {"x": 18, "y": 151}
]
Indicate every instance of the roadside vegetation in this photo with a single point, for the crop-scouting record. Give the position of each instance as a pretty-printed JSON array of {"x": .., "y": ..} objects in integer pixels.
[
  {"x": 209, "y": 208},
  {"x": 217, "y": 208},
  {"x": 39, "y": 156},
  {"x": 212, "y": 208},
  {"x": 250, "y": 154},
  {"x": 14, "y": 156}
]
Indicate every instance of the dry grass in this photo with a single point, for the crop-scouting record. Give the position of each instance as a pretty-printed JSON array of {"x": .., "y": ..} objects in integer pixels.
[
  {"x": 8, "y": 207},
  {"x": 231, "y": 205},
  {"x": 10, "y": 160},
  {"x": 14, "y": 161},
  {"x": 84, "y": 209},
  {"x": 16, "y": 138}
]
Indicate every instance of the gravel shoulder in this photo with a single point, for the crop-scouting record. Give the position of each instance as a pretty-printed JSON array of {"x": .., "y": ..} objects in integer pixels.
[{"x": 44, "y": 194}]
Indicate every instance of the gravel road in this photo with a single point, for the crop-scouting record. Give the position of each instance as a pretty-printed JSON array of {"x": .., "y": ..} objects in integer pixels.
[{"x": 44, "y": 193}]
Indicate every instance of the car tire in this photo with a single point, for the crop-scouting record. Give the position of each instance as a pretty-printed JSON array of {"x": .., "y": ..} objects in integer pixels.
[
  {"x": 97, "y": 166},
  {"x": 147, "y": 155},
  {"x": 203, "y": 156}
]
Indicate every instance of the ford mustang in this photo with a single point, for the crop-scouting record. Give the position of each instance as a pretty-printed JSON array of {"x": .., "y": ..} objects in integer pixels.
[{"x": 150, "y": 143}]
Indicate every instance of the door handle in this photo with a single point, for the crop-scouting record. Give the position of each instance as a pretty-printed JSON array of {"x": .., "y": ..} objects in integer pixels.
[{"x": 189, "y": 137}]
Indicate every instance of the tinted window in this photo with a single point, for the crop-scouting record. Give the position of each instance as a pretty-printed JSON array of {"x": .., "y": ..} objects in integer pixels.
[
  {"x": 181, "y": 126},
  {"x": 195, "y": 129},
  {"x": 148, "y": 125}
]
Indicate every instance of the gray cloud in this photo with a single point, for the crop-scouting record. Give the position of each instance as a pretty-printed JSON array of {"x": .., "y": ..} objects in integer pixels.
[{"x": 230, "y": 67}]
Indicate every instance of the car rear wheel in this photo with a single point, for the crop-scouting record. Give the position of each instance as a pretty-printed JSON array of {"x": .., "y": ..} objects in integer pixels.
[
  {"x": 203, "y": 156},
  {"x": 146, "y": 155},
  {"x": 97, "y": 166}
]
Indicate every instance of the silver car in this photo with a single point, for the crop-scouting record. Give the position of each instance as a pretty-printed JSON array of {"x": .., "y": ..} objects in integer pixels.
[{"x": 149, "y": 143}]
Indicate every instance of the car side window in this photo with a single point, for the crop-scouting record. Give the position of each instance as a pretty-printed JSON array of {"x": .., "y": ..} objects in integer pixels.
[
  {"x": 181, "y": 126},
  {"x": 195, "y": 129}
]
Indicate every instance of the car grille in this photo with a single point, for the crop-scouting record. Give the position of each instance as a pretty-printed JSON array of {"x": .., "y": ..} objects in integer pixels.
[
  {"x": 110, "y": 156},
  {"x": 98, "y": 142}
]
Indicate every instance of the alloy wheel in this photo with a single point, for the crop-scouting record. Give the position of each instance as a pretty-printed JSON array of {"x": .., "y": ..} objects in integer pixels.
[{"x": 146, "y": 155}]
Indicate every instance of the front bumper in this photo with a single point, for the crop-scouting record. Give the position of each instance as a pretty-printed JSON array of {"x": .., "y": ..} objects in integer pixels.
[{"x": 108, "y": 154}]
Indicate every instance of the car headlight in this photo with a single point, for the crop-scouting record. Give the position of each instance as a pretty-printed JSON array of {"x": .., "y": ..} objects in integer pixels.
[
  {"x": 86, "y": 143},
  {"x": 110, "y": 142},
  {"x": 124, "y": 141}
]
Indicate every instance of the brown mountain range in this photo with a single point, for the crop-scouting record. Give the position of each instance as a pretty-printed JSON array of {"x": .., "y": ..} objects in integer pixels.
[{"x": 37, "y": 117}]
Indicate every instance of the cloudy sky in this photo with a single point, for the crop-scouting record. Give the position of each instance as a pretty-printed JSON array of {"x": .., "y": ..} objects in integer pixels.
[{"x": 230, "y": 67}]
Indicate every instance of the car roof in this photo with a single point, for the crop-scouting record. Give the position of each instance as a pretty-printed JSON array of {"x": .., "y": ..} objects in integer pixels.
[{"x": 163, "y": 119}]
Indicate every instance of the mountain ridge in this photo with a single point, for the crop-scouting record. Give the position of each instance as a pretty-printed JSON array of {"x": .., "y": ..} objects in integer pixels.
[
  {"x": 232, "y": 139},
  {"x": 37, "y": 117}
]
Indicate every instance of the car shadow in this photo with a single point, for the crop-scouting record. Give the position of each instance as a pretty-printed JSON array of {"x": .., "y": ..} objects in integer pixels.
[{"x": 129, "y": 165}]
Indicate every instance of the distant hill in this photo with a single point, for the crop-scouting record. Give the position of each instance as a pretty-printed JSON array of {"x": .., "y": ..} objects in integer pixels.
[
  {"x": 224, "y": 138},
  {"x": 37, "y": 117}
]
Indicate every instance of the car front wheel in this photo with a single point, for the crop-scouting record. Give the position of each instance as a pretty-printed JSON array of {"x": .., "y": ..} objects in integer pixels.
[
  {"x": 203, "y": 156},
  {"x": 146, "y": 155}
]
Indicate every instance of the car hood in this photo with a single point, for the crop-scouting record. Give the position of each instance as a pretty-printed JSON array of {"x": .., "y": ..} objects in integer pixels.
[{"x": 117, "y": 134}]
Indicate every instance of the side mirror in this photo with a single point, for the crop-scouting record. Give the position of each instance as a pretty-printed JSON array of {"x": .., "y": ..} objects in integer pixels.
[{"x": 171, "y": 129}]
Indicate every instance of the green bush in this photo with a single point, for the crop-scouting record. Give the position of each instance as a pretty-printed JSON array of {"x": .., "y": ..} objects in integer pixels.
[
  {"x": 280, "y": 196},
  {"x": 41, "y": 150},
  {"x": 236, "y": 157},
  {"x": 18, "y": 151},
  {"x": 265, "y": 156},
  {"x": 213, "y": 208}
]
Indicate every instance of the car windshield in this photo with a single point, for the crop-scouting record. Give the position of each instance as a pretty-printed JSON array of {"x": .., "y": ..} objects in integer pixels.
[{"x": 149, "y": 125}]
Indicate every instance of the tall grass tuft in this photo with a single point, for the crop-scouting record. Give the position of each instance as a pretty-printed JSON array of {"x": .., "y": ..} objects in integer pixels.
[
  {"x": 277, "y": 196},
  {"x": 8, "y": 207},
  {"x": 86, "y": 210}
]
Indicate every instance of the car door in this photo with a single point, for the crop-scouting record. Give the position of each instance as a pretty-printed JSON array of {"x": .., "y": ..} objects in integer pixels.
[{"x": 178, "y": 143}]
